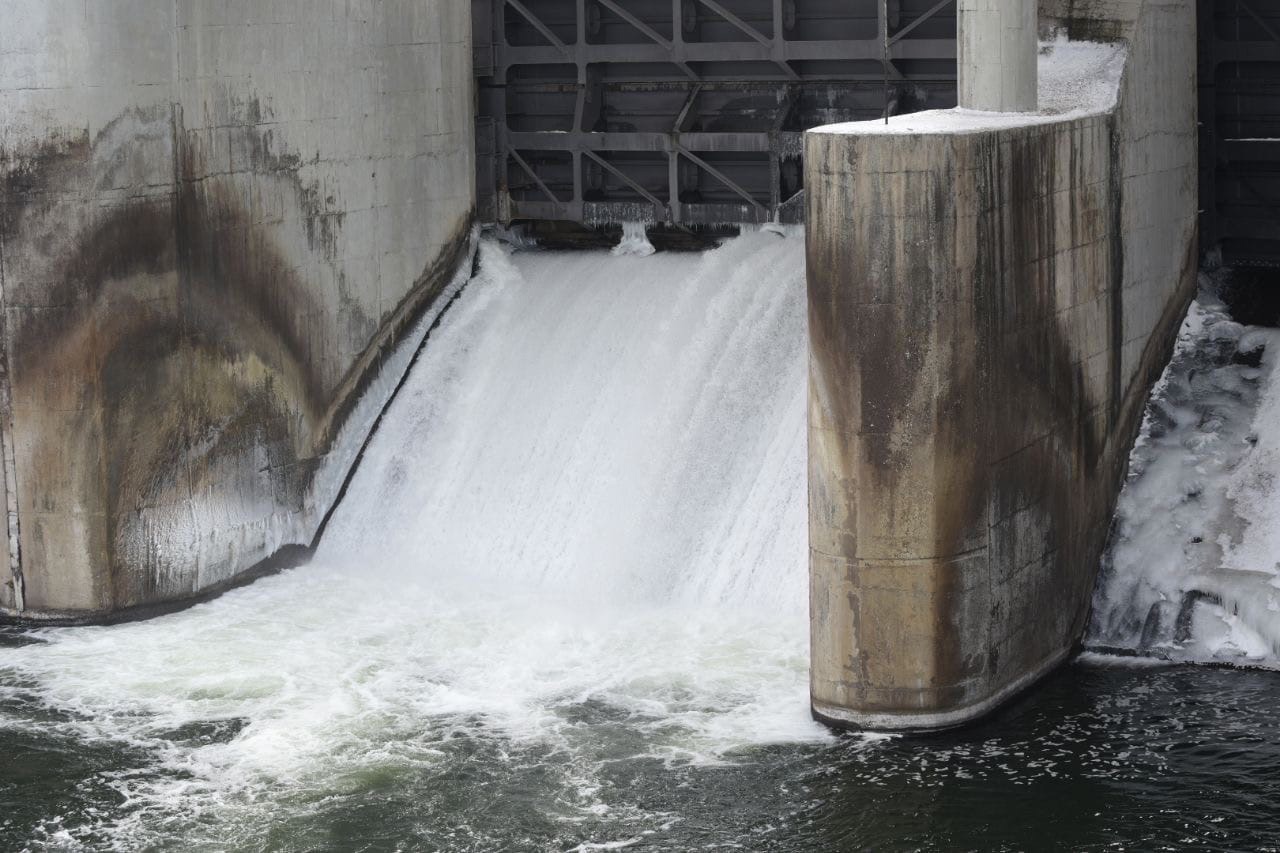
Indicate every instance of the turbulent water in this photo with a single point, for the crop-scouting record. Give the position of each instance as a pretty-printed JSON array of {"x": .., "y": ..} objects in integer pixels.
[
  {"x": 586, "y": 507},
  {"x": 1192, "y": 573},
  {"x": 562, "y": 607}
]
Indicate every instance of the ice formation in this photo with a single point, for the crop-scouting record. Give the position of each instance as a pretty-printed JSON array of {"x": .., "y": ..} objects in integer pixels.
[{"x": 1192, "y": 571}]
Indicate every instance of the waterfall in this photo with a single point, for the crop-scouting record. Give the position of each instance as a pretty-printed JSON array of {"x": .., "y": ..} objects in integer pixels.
[
  {"x": 586, "y": 505},
  {"x": 622, "y": 429}
]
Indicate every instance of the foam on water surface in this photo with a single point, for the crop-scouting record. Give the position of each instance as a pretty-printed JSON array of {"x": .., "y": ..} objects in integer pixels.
[
  {"x": 579, "y": 533},
  {"x": 569, "y": 575}
]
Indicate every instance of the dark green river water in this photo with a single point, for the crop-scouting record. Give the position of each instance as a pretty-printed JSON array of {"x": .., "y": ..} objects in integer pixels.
[
  {"x": 1100, "y": 757},
  {"x": 564, "y": 608}
]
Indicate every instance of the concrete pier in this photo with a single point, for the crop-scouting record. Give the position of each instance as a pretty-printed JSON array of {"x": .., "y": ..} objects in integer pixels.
[
  {"x": 220, "y": 227},
  {"x": 991, "y": 297},
  {"x": 996, "y": 49}
]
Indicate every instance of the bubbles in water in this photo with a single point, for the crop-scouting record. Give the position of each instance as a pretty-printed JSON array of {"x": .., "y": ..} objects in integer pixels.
[{"x": 579, "y": 536}]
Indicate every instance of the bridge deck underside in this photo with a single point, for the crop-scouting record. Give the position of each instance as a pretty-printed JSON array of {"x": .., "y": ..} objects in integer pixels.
[{"x": 686, "y": 112}]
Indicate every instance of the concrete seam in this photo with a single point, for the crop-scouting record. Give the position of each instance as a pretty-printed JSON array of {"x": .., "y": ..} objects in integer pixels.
[{"x": 10, "y": 473}]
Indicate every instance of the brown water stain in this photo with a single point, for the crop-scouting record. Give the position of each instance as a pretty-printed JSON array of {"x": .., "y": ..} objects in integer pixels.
[{"x": 174, "y": 343}]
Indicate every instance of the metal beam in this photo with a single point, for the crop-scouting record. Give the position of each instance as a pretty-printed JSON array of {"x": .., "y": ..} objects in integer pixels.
[
  {"x": 741, "y": 93},
  {"x": 683, "y": 117},
  {"x": 742, "y": 25},
  {"x": 1249, "y": 150},
  {"x": 1258, "y": 19},
  {"x": 752, "y": 33},
  {"x": 1240, "y": 174},
  {"x": 720, "y": 176},
  {"x": 757, "y": 142},
  {"x": 627, "y": 180},
  {"x": 891, "y": 71},
  {"x": 515, "y": 155},
  {"x": 539, "y": 26},
  {"x": 649, "y": 32},
  {"x": 907, "y": 30},
  {"x": 790, "y": 51}
]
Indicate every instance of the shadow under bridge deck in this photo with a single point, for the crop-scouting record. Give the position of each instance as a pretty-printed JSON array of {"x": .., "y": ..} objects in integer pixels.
[{"x": 686, "y": 112}]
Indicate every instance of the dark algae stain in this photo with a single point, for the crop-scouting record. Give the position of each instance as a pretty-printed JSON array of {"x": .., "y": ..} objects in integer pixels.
[
  {"x": 169, "y": 347},
  {"x": 985, "y": 353}
]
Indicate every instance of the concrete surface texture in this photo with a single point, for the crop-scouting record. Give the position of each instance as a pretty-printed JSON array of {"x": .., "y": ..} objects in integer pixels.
[
  {"x": 217, "y": 222},
  {"x": 996, "y": 51},
  {"x": 990, "y": 299}
]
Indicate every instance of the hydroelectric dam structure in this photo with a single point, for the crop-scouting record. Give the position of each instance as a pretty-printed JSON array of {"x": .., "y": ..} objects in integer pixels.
[
  {"x": 227, "y": 228},
  {"x": 686, "y": 113}
]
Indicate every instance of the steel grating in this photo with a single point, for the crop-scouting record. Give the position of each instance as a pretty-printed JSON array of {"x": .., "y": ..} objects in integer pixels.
[
  {"x": 688, "y": 112},
  {"x": 1240, "y": 130}
]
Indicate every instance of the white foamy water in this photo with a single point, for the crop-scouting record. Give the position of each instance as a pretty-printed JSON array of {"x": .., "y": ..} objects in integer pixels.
[
  {"x": 1192, "y": 573},
  {"x": 580, "y": 532}
]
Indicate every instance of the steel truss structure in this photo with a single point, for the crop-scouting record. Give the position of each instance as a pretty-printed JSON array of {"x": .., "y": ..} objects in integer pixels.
[
  {"x": 1239, "y": 73},
  {"x": 688, "y": 112}
]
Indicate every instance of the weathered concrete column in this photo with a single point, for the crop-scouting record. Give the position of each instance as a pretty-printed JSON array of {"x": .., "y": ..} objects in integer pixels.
[
  {"x": 990, "y": 300},
  {"x": 963, "y": 411},
  {"x": 211, "y": 278},
  {"x": 997, "y": 53}
]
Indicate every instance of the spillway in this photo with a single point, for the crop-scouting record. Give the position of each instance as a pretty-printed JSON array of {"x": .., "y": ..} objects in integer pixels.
[
  {"x": 585, "y": 507},
  {"x": 1191, "y": 574},
  {"x": 629, "y": 430},
  {"x": 562, "y": 607}
]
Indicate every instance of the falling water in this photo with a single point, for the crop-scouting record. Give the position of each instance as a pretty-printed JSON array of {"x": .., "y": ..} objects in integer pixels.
[
  {"x": 562, "y": 607},
  {"x": 586, "y": 505}
]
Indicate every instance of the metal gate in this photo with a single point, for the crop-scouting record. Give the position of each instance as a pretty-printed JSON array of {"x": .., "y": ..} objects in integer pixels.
[
  {"x": 686, "y": 111},
  {"x": 1240, "y": 130}
]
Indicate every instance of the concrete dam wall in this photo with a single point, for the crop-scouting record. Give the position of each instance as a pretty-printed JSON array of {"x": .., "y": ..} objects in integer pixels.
[
  {"x": 991, "y": 297},
  {"x": 221, "y": 224}
]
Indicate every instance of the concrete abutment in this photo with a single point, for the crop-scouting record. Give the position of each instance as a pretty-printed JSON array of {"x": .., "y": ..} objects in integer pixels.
[
  {"x": 991, "y": 297},
  {"x": 221, "y": 228}
]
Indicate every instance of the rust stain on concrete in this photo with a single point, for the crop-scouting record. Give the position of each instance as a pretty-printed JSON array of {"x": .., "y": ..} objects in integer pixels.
[{"x": 167, "y": 356}]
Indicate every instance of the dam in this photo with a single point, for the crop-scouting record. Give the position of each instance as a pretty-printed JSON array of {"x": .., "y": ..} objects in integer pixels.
[
  {"x": 359, "y": 497},
  {"x": 624, "y": 661}
]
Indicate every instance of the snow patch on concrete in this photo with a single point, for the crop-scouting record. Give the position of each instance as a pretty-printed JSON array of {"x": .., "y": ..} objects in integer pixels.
[
  {"x": 1078, "y": 79},
  {"x": 1192, "y": 572}
]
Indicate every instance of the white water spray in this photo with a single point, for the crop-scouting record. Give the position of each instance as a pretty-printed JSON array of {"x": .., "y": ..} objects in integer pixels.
[
  {"x": 589, "y": 493},
  {"x": 635, "y": 241}
]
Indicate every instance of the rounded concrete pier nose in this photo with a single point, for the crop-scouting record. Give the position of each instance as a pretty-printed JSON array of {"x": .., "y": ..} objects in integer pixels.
[
  {"x": 914, "y": 624},
  {"x": 991, "y": 296},
  {"x": 954, "y": 519}
]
